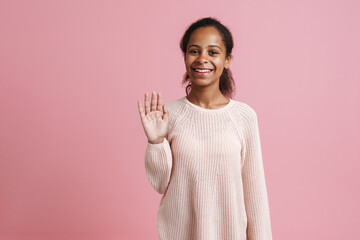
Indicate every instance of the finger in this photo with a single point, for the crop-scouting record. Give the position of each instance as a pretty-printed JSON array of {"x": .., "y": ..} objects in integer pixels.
[
  {"x": 147, "y": 103},
  {"x": 166, "y": 113},
  {"x": 153, "y": 101},
  {"x": 159, "y": 106},
  {"x": 141, "y": 111}
]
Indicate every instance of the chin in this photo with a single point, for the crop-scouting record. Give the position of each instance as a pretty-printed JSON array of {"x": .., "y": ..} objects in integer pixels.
[{"x": 200, "y": 81}]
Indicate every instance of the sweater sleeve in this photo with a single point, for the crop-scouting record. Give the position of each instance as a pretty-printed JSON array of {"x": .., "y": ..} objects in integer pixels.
[
  {"x": 255, "y": 192},
  {"x": 158, "y": 164}
]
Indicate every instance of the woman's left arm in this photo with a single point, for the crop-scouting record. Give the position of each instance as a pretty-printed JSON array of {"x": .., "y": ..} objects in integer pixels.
[{"x": 254, "y": 185}]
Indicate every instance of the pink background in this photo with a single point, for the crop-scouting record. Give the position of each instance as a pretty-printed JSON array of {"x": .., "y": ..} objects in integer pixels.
[{"x": 72, "y": 145}]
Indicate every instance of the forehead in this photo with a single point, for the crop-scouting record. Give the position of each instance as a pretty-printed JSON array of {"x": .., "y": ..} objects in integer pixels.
[{"x": 206, "y": 36}]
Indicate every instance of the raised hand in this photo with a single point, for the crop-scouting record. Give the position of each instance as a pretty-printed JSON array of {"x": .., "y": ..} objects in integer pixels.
[{"x": 155, "y": 118}]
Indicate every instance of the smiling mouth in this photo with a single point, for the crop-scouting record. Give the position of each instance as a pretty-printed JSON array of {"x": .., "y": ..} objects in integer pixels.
[{"x": 202, "y": 70}]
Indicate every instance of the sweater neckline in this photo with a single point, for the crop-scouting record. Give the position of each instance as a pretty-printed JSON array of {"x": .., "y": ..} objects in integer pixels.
[{"x": 207, "y": 110}]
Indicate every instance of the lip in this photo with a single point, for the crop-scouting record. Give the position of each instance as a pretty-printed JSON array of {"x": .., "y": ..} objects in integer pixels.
[
  {"x": 202, "y": 73},
  {"x": 202, "y": 68}
]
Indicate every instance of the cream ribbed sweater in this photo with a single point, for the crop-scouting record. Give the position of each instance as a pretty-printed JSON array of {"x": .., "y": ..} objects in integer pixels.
[{"x": 209, "y": 169}]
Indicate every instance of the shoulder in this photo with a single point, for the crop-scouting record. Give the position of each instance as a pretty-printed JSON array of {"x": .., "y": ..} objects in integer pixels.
[
  {"x": 175, "y": 108},
  {"x": 245, "y": 118},
  {"x": 174, "y": 105},
  {"x": 176, "y": 113},
  {"x": 243, "y": 110}
]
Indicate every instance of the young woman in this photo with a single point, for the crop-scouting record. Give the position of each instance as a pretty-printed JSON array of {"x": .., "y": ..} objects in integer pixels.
[{"x": 203, "y": 151}]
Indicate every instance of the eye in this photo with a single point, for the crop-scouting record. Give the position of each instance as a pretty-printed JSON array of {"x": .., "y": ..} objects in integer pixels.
[
  {"x": 212, "y": 52},
  {"x": 193, "y": 51}
]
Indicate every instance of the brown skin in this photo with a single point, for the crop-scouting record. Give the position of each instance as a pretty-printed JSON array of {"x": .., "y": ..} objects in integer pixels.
[
  {"x": 155, "y": 118},
  {"x": 204, "y": 50}
]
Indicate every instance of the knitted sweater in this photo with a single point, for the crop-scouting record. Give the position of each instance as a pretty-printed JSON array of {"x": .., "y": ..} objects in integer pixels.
[{"x": 210, "y": 173}]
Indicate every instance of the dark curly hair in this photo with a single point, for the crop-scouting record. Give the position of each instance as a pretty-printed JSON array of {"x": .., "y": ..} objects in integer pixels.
[{"x": 226, "y": 83}]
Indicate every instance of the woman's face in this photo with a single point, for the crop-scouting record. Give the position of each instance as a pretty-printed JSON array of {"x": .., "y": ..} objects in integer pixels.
[{"x": 205, "y": 57}]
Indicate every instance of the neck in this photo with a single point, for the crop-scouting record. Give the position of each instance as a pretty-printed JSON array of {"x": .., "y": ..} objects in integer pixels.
[{"x": 207, "y": 98}]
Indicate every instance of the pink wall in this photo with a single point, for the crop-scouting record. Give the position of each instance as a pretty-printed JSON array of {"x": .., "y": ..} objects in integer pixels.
[{"x": 72, "y": 145}]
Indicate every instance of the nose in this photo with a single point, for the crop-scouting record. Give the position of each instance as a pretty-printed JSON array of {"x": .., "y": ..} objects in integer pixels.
[{"x": 202, "y": 58}]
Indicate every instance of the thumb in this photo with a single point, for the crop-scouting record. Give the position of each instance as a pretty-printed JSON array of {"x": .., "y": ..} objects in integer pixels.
[{"x": 166, "y": 113}]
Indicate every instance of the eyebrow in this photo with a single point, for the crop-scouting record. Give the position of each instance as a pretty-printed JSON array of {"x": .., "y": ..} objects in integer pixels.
[{"x": 194, "y": 45}]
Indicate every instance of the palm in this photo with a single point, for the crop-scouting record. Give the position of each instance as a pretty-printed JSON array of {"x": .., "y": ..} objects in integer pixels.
[
  {"x": 154, "y": 119},
  {"x": 154, "y": 125}
]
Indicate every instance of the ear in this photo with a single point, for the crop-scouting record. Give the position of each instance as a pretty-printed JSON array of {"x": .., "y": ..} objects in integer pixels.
[{"x": 227, "y": 62}]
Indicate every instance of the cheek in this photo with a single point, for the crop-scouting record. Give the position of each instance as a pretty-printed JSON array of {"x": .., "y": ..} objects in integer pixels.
[
  {"x": 187, "y": 62},
  {"x": 219, "y": 65}
]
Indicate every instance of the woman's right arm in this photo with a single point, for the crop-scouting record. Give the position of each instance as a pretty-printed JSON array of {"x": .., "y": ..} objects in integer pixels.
[
  {"x": 158, "y": 164},
  {"x": 158, "y": 156}
]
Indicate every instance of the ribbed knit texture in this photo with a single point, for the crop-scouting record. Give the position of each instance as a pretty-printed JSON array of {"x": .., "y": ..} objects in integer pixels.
[{"x": 210, "y": 171}]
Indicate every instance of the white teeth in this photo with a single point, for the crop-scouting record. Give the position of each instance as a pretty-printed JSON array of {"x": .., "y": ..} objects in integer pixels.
[{"x": 202, "y": 70}]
